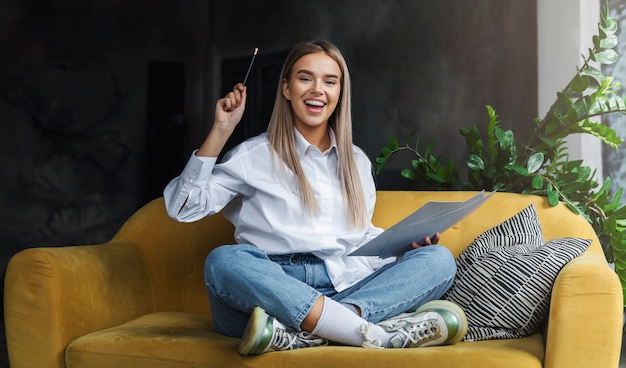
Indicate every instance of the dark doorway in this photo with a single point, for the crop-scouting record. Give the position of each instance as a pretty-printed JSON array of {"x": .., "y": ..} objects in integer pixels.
[{"x": 262, "y": 83}]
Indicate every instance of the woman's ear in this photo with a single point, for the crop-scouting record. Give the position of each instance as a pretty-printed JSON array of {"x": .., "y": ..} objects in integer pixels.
[{"x": 285, "y": 89}]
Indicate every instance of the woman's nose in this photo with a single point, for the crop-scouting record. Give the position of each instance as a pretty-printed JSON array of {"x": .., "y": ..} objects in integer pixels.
[{"x": 316, "y": 87}]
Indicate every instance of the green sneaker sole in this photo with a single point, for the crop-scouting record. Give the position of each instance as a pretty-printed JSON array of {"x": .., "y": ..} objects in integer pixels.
[
  {"x": 451, "y": 313},
  {"x": 254, "y": 333}
]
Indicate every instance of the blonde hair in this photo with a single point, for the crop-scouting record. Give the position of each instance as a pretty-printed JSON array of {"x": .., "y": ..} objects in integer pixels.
[{"x": 282, "y": 138}]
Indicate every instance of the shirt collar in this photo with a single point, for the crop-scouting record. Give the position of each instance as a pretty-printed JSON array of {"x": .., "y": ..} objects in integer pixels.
[{"x": 302, "y": 145}]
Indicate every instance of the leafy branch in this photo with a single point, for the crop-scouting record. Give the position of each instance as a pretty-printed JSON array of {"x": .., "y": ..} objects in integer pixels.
[{"x": 541, "y": 165}]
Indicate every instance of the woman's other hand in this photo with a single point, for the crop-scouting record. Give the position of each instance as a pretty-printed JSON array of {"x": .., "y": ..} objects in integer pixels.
[{"x": 427, "y": 241}]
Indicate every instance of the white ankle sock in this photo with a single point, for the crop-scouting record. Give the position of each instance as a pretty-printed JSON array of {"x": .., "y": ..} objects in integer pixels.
[
  {"x": 352, "y": 307},
  {"x": 339, "y": 324}
]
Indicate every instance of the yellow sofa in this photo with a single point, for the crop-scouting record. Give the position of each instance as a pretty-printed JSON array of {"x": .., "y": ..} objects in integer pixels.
[{"x": 140, "y": 300}]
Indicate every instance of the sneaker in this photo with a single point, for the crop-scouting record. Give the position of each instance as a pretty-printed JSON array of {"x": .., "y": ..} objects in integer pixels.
[
  {"x": 265, "y": 333},
  {"x": 435, "y": 323}
]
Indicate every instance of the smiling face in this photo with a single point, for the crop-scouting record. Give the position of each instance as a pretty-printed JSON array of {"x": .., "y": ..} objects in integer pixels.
[{"x": 313, "y": 89}]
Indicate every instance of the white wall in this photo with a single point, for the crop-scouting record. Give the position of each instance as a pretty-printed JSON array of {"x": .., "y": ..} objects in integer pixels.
[{"x": 561, "y": 42}]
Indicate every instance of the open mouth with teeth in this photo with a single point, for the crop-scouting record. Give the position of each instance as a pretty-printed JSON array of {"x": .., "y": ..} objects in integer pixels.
[{"x": 314, "y": 105}]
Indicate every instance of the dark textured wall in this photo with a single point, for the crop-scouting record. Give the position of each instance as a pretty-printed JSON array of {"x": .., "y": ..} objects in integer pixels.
[
  {"x": 73, "y": 101},
  {"x": 417, "y": 66},
  {"x": 74, "y": 90}
]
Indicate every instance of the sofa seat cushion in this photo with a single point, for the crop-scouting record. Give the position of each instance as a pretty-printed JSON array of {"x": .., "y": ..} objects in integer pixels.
[
  {"x": 175, "y": 339},
  {"x": 163, "y": 339}
]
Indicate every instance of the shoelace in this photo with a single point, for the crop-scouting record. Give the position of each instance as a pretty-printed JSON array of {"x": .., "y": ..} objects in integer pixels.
[
  {"x": 420, "y": 333},
  {"x": 367, "y": 341},
  {"x": 413, "y": 333},
  {"x": 287, "y": 340}
]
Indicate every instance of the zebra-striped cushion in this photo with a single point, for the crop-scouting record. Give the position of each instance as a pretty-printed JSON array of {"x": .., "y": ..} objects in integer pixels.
[{"x": 505, "y": 276}]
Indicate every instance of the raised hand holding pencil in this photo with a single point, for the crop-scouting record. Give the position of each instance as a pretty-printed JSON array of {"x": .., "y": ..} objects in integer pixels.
[{"x": 228, "y": 113}]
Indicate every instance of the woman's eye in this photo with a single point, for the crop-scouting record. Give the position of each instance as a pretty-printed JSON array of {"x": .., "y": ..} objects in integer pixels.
[{"x": 331, "y": 82}]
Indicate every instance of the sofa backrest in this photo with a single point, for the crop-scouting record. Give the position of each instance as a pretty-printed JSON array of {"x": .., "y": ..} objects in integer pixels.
[
  {"x": 556, "y": 222},
  {"x": 176, "y": 251}
]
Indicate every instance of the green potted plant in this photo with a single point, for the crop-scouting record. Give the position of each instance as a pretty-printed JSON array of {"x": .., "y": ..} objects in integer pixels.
[{"x": 499, "y": 161}]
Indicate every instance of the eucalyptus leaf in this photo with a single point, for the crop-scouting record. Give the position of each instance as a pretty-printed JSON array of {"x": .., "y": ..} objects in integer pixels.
[
  {"x": 609, "y": 42},
  {"x": 580, "y": 83},
  {"x": 596, "y": 77},
  {"x": 605, "y": 57},
  {"x": 608, "y": 25}
]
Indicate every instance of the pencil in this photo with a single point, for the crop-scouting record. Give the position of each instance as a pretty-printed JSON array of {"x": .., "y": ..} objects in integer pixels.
[{"x": 245, "y": 79}]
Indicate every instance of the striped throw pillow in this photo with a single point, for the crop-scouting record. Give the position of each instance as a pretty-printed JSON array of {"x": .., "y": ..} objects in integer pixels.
[{"x": 504, "y": 277}]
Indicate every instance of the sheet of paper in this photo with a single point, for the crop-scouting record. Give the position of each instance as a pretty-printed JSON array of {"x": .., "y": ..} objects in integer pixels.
[{"x": 432, "y": 218}]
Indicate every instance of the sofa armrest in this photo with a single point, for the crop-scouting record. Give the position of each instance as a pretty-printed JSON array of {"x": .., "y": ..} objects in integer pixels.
[
  {"x": 586, "y": 315},
  {"x": 54, "y": 295}
]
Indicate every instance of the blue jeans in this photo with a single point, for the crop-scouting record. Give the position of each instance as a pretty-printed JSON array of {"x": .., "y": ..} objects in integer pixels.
[{"x": 241, "y": 277}]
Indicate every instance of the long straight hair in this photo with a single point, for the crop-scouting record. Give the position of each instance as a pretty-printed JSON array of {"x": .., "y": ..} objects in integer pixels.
[{"x": 282, "y": 138}]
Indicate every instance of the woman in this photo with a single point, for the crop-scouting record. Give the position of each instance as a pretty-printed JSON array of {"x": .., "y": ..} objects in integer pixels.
[{"x": 301, "y": 197}]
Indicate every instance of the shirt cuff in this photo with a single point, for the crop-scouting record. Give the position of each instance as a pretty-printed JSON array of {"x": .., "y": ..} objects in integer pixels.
[{"x": 198, "y": 168}]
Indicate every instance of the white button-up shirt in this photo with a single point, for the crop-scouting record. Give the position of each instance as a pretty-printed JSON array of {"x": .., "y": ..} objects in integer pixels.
[{"x": 262, "y": 201}]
